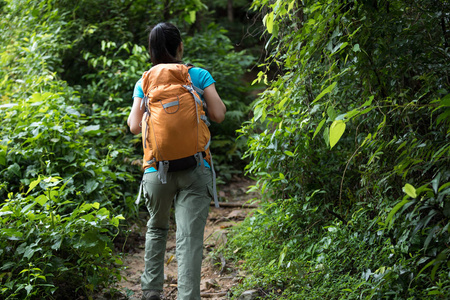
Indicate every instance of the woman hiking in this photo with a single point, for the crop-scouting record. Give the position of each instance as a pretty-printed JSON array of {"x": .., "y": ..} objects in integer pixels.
[{"x": 185, "y": 185}]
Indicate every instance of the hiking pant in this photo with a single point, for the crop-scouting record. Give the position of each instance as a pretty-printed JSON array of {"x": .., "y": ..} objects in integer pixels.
[{"x": 191, "y": 191}]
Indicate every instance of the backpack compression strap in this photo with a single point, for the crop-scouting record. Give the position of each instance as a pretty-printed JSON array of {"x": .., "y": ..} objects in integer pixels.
[{"x": 216, "y": 200}]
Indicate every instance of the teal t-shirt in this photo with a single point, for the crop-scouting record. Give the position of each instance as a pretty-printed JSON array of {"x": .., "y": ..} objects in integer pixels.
[{"x": 200, "y": 78}]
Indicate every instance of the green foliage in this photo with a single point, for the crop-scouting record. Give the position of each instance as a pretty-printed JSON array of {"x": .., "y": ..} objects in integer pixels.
[
  {"x": 69, "y": 168},
  {"x": 212, "y": 49},
  {"x": 46, "y": 133},
  {"x": 349, "y": 146},
  {"x": 46, "y": 253}
]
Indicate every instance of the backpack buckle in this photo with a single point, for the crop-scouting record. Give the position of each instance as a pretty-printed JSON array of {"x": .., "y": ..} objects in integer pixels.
[{"x": 163, "y": 168}]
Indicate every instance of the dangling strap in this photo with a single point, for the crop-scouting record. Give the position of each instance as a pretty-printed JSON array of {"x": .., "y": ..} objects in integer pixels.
[
  {"x": 163, "y": 168},
  {"x": 146, "y": 116},
  {"x": 216, "y": 200},
  {"x": 140, "y": 193},
  {"x": 199, "y": 158}
]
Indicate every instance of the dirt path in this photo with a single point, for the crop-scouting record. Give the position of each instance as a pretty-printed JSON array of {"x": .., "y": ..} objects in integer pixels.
[{"x": 218, "y": 275}]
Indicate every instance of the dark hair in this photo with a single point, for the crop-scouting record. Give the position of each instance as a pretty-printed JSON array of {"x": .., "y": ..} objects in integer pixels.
[{"x": 163, "y": 43}]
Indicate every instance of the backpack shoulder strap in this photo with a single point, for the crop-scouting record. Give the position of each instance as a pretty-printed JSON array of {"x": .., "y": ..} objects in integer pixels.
[{"x": 196, "y": 88}]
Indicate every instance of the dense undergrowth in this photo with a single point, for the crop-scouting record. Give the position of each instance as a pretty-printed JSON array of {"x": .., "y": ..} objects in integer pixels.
[
  {"x": 349, "y": 144},
  {"x": 69, "y": 166},
  {"x": 350, "y": 148}
]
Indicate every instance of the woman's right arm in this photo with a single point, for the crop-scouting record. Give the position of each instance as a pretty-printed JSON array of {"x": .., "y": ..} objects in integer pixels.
[
  {"x": 135, "y": 117},
  {"x": 216, "y": 108}
]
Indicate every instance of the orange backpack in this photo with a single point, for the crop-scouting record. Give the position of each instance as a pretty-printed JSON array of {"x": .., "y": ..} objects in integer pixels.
[{"x": 175, "y": 132}]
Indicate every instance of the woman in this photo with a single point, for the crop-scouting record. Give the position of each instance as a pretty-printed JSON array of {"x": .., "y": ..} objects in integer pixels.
[{"x": 187, "y": 189}]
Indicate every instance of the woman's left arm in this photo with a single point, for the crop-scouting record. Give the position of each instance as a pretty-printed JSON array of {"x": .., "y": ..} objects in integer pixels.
[
  {"x": 135, "y": 117},
  {"x": 216, "y": 108}
]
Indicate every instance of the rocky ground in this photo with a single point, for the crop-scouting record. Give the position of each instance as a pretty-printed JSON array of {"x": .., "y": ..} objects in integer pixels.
[{"x": 218, "y": 275}]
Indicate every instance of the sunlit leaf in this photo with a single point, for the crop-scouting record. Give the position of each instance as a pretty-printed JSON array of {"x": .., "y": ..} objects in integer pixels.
[
  {"x": 409, "y": 190},
  {"x": 337, "y": 129},
  {"x": 319, "y": 127},
  {"x": 33, "y": 184},
  {"x": 325, "y": 91},
  {"x": 41, "y": 199}
]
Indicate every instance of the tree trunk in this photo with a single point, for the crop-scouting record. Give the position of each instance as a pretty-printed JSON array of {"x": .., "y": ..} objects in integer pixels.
[{"x": 230, "y": 10}]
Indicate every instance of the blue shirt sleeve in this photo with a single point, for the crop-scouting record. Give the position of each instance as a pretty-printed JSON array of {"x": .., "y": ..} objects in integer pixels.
[
  {"x": 138, "y": 92},
  {"x": 201, "y": 78}
]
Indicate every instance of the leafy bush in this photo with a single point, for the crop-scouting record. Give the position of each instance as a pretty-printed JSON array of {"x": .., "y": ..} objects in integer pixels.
[
  {"x": 67, "y": 76},
  {"x": 349, "y": 146},
  {"x": 52, "y": 240},
  {"x": 46, "y": 253}
]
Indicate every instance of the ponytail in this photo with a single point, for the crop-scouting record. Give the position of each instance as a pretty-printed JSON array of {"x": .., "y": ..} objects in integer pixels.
[{"x": 164, "y": 40}]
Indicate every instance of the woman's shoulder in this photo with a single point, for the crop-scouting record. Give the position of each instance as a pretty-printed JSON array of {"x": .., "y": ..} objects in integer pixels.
[
  {"x": 200, "y": 73},
  {"x": 200, "y": 77},
  {"x": 198, "y": 70}
]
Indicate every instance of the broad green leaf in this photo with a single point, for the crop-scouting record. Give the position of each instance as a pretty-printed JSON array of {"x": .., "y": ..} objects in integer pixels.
[
  {"x": 90, "y": 186},
  {"x": 439, "y": 259},
  {"x": 331, "y": 113},
  {"x": 30, "y": 250},
  {"x": 28, "y": 288},
  {"x": 368, "y": 137},
  {"x": 435, "y": 292},
  {"x": 325, "y": 91},
  {"x": 120, "y": 217},
  {"x": 318, "y": 128},
  {"x": 3, "y": 155},
  {"x": 444, "y": 186},
  {"x": 409, "y": 190},
  {"x": 192, "y": 16},
  {"x": 337, "y": 129},
  {"x": 445, "y": 101},
  {"x": 57, "y": 244},
  {"x": 368, "y": 102},
  {"x": 33, "y": 184},
  {"x": 351, "y": 114},
  {"x": 444, "y": 116},
  {"x": 282, "y": 256},
  {"x": 269, "y": 22},
  {"x": 259, "y": 113},
  {"x": 435, "y": 183},
  {"x": 91, "y": 128},
  {"x": 261, "y": 212},
  {"x": 395, "y": 209},
  {"x": 275, "y": 30},
  {"x": 7, "y": 265},
  {"x": 12, "y": 234},
  {"x": 85, "y": 207},
  {"x": 14, "y": 169},
  {"x": 291, "y": 5},
  {"x": 288, "y": 153},
  {"x": 41, "y": 199},
  {"x": 27, "y": 208}
]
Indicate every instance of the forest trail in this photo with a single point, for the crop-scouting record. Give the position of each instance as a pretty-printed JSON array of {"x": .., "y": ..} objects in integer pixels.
[{"x": 218, "y": 275}]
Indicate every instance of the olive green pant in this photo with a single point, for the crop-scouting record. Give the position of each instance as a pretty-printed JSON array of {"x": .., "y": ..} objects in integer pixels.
[{"x": 190, "y": 192}]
